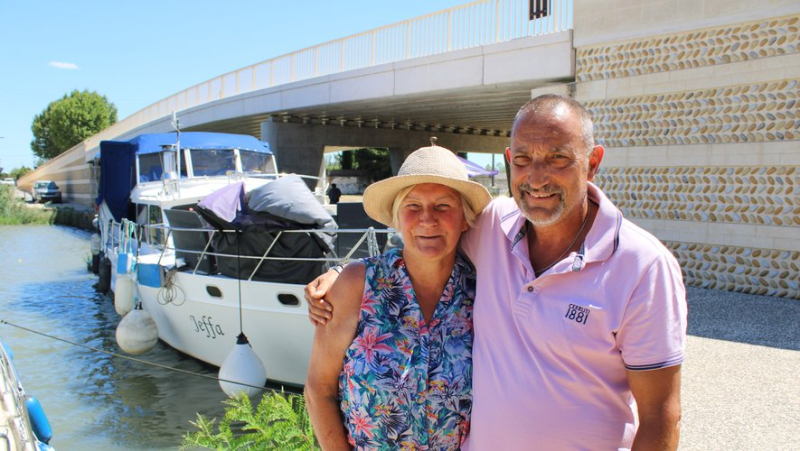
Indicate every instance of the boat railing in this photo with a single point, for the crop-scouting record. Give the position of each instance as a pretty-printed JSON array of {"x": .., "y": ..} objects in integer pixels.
[
  {"x": 351, "y": 244},
  {"x": 13, "y": 400},
  {"x": 118, "y": 237}
]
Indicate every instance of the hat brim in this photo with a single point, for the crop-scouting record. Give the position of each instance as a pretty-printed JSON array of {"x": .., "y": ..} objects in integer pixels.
[{"x": 379, "y": 196}]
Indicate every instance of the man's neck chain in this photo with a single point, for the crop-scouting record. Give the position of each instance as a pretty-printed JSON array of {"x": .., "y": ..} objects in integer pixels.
[{"x": 574, "y": 240}]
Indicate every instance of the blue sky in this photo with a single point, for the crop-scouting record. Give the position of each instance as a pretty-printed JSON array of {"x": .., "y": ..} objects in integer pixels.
[{"x": 138, "y": 52}]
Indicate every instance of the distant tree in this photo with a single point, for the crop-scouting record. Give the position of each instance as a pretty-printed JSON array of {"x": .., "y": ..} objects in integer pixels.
[
  {"x": 70, "y": 120},
  {"x": 19, "y": 172},
  {"x": 374, "y": 162},
  {"x": 346, "y": 159}
]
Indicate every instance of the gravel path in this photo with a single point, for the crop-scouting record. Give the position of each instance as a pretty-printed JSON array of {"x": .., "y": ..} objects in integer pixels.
[{"x": 741, "y": 377}]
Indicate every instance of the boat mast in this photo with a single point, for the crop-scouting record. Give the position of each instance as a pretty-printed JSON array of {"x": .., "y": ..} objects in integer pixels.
[{"x": 177, "y": 126}]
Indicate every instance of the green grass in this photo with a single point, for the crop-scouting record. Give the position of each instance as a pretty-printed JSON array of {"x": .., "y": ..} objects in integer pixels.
[
  {"x": 279, "y": 422},
  {"x": 13, "y": 210}
]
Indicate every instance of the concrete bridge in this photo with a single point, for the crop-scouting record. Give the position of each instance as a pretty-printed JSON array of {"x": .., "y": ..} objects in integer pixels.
[
  {"x": 460, "y": 74},
  {"x": 696, "y": 103}
]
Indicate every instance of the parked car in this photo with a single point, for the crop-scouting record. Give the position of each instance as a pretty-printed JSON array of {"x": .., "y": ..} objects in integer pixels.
[
  {"x": 46, "y": 191},
  {"x": 8, "y": 181}
]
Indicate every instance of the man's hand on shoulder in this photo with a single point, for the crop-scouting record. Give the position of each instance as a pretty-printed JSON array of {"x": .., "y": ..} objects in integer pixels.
[{"x": 319, "y": 310}]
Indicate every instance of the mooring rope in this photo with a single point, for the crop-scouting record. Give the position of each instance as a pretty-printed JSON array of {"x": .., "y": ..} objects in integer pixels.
[{"x": 133, "y": 359}]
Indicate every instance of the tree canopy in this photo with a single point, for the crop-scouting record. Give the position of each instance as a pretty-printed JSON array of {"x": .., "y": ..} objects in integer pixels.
[
  {"x": 19, "y": 172},
  {"x": 372, "y": 162},
  {"x": 70, "y": 120}
]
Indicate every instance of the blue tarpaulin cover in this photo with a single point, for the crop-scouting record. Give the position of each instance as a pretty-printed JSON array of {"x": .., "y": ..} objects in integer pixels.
[
  {"x": 151, "y": 143},
  {"x": 117, "y": 176},
  {"x": 118, "y": 160}
]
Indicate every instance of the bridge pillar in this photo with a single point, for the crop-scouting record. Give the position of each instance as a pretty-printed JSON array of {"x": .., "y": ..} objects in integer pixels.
[
  {"x": 296, "y": 148},
  {"x": 397, "y": 156}
]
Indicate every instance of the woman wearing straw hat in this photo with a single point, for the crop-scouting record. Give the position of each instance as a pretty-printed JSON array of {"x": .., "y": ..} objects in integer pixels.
[{"x": 393, "y": 368}]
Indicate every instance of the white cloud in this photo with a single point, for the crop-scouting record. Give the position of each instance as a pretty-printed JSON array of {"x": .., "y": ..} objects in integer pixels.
[{"x": 60, "y": 65}]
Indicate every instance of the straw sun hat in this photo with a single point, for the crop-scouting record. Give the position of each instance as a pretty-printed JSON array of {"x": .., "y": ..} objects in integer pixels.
[{"x": 432, "y": 164}]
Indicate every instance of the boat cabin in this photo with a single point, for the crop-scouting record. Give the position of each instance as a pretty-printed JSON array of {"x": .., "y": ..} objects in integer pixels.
[{"x": 155, "y": 163}]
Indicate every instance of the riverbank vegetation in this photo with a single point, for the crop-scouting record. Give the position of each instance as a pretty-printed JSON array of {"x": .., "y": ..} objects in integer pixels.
[
  {"x": 13, "y": 210},
  {"x": 280, "y": 421}
]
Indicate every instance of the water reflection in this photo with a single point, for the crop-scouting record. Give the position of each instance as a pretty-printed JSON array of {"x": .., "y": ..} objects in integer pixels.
[{"x": 93, "y": 400}]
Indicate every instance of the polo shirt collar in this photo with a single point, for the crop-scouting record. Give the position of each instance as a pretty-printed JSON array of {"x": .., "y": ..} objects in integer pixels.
[
  {"x": 514, "y": 225},
  {"x": 601, "y": 241},
  {"x": 603, "y": 238}
]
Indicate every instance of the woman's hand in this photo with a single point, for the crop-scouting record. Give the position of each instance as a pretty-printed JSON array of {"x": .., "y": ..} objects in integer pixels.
[{"x": 319, "y": 310}]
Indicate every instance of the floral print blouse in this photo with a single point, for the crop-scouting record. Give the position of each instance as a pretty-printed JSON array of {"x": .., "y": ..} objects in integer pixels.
[{"x": 406, "y": 384}]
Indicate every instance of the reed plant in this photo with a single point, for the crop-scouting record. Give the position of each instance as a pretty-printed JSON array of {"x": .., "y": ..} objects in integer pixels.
[
  {"x": 13, "y": 210},
  {"x": 279, "y": 422}
]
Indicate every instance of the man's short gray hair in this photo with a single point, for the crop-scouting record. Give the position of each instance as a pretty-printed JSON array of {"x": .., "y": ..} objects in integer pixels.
[{"x": 546, "y": 103}]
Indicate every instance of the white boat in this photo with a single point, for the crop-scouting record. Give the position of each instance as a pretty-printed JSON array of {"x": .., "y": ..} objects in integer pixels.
[
  {"x": 23, "y": 424},
  {"x": 200, "y": 289}
]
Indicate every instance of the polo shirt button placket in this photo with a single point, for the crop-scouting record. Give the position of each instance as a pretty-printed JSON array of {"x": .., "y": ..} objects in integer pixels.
[{"x": 524, "y": 301}]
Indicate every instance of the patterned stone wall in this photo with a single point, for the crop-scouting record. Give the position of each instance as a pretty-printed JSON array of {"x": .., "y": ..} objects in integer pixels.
[
  {"x": 742, "y": 42},
  {"x": 735, "y": 195},
  {"x": 642, "y": 98},
  {"x": 770, "y": 272},
  {"x": 729, "y": 114}
]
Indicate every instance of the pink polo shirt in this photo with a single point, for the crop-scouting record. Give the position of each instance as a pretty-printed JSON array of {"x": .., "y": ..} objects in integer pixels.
[{"x": 550, "y": 354}]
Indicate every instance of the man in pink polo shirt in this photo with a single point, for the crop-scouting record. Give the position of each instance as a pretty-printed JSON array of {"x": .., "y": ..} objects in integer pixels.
[{"x": 580, "y": 316}]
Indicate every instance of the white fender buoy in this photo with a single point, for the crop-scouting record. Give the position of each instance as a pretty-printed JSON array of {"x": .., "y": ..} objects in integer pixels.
[
  {"x": 242, "y": 365},
  {"x": 123, "y": 294},
  {"x": 137, "y": 332},
  {"x": 125, "y": 263}
]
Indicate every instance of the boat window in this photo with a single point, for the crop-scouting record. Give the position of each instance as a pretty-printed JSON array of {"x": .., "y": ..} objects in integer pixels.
[
  {"x": 260, "y": 163},
  {"x": 150, "y": 167},
  {"x": 288, "y": 299},
  {"x": 213, "y": 161},
  {"x": 141, "y": 214},
  {"x": 157, "y": 235}
]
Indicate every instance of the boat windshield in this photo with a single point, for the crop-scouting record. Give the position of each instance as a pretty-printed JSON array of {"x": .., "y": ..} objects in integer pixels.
[
  {"x": 260, "y": 163},
  {"x": 151, "y": 167},
  {"x": 213, "y": 161}
]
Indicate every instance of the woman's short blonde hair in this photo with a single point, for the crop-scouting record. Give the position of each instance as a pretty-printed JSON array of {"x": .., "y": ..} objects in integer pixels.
[{"x": 469, "y": 215}]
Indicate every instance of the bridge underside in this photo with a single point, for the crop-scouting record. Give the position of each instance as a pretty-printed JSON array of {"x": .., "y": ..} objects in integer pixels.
[
  {"x": 300, "y": 147},
  {"x": 477, "y": 112}
]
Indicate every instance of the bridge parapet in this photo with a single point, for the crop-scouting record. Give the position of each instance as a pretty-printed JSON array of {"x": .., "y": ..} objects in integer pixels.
[{"x": 474, "y": 24}]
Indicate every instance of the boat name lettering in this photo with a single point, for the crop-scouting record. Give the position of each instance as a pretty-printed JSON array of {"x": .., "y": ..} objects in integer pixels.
[{"x": 205, "y": 325}]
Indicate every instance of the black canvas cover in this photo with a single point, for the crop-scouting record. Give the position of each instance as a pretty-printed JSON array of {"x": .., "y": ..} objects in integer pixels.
[
  {"x": 255, "y": 244},
  {"x": 281, "y": 205}
]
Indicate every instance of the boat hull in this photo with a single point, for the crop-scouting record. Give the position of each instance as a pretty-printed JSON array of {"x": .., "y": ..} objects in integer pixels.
[{"x": 201, "y": 315}]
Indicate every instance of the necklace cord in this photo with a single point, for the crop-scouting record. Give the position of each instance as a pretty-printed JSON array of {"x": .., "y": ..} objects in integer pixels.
[{"x": 574, "y": 240}]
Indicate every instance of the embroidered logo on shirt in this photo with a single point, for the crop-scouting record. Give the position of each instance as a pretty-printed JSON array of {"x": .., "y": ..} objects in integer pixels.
[{"x": 577, "y": 313}]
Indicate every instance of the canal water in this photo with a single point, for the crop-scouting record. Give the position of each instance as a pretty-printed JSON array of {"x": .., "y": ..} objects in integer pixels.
[{"x": 93, "y": 401}]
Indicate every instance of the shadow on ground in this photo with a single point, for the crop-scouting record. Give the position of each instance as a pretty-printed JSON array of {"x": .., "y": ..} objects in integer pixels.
[{"x": 744, "y": 318}]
